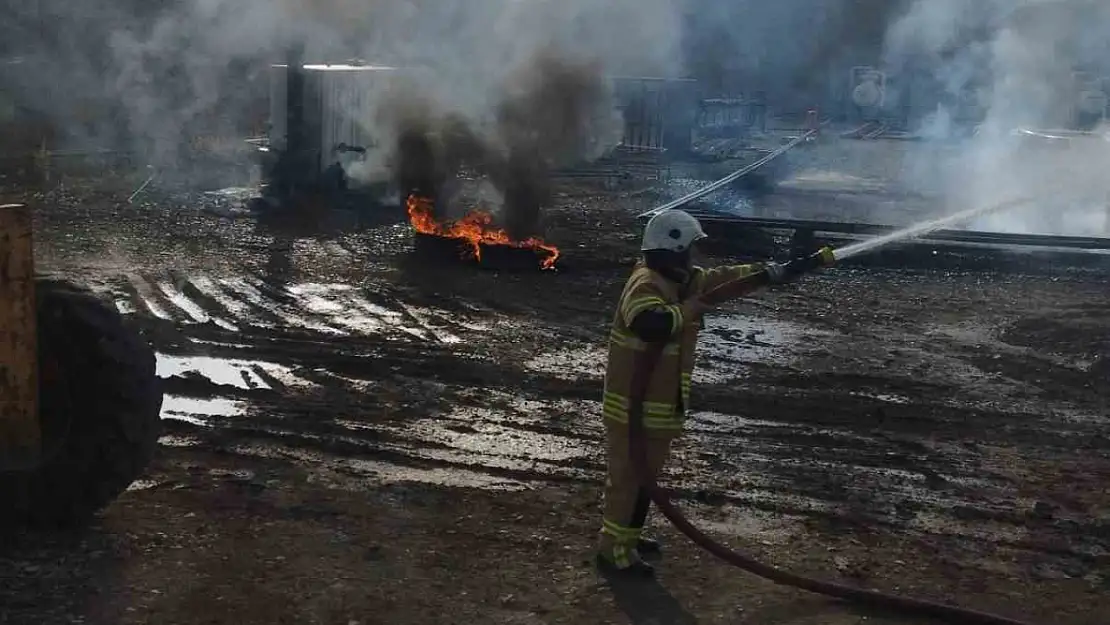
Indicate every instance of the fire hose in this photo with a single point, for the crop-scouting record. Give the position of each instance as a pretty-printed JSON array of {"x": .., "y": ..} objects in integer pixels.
[{"x": 641, "y": 377}]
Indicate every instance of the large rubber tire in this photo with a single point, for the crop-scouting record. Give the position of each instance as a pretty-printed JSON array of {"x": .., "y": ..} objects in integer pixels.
[{"x": 99, "y": 410}]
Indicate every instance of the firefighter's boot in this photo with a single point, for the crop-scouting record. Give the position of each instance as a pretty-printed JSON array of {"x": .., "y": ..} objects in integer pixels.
[
  {"x": 624, "y": 561},
  {"x": 648, "y": 547}
]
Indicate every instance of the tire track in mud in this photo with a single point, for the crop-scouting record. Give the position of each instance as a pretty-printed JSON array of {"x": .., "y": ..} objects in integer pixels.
[
  {"x": 237, "y": 302},
  {"x": 360, "y": 381}
]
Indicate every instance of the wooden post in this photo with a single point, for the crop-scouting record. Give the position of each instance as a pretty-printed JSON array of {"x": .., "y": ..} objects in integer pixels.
[{"x": 20, "y": 435}]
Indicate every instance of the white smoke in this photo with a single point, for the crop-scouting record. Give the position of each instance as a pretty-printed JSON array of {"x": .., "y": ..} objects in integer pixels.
[
  {"x": 1009, "y": 65},
  {"x": 166, "y": 71},
  {"x": 172, "y": 69}
]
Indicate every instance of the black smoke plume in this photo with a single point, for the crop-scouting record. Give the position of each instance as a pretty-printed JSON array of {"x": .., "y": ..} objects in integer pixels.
[{"x": 551, "y": 113}]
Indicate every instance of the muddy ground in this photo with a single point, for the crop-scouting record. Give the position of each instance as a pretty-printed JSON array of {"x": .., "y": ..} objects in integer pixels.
[{"x": 358, "y": 433}]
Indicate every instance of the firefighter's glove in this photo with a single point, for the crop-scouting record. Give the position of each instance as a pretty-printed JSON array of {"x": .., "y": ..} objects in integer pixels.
[{"x": 824, "y": 257}]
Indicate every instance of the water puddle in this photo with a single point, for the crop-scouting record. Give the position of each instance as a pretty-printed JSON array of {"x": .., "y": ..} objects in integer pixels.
[
  {"x": 490, "y": 439},
  {"x": 243, "y": 374},
  {"x": 173, "y": 440},
  {"x": 200, "y": 411},
  {"x": 542, "y": 411},
  {"x": 143, "y": 485},
  {"x": 236, "y": 307},
  {"x": 883, "y": 397},
  {"x": 570, "y": 364},
  {"x": 252, "y": 293},
  {"x": 422, "y": 316},
  {"x": 346, "y": 307},
  {"x": 335, "y": 302},
  {"x": 580, "y": 417},
  {"x": 729, "y": 342},
  {"x": 385, "y": 472},
  {"x": 148, "y": 298},
  {"x": 125, "y": 307},
  {"x": 354, "y": 384},
  {"x": 194, "y": 310},
  {"x": 717, "y": 421}
]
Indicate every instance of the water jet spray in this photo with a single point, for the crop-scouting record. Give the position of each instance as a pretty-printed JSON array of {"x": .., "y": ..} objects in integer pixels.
[{"x": 919, "y": 230}]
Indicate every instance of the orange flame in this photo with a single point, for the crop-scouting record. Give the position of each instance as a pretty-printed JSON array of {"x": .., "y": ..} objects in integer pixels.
[{"x": 475, "y": 228}]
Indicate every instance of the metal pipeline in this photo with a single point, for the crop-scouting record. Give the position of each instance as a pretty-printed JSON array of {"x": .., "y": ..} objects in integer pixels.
[
  {"x": 641, "y": 377},
  {"x": 736, "y": 175}
]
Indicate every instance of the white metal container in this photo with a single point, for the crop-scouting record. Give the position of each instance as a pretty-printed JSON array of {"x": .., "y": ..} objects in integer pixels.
[{"x": 340, "y": 104}]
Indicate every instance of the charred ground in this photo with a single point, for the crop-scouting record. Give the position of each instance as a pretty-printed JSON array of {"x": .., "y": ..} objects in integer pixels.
[{"x": 357, "y": 435}]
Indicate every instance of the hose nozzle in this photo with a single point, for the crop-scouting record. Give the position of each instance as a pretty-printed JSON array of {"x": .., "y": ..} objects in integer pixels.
[{"x": 824, "y": 257}]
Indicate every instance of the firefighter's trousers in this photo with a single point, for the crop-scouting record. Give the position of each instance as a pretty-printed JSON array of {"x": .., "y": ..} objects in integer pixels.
[{"x": 626, "y": 504}]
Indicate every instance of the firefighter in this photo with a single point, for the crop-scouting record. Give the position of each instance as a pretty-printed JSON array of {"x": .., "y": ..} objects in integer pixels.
[{"x": 660, "y": 303}]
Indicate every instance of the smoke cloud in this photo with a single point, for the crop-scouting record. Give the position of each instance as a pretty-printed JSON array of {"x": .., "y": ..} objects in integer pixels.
[
  {"x": 552, "y": 113},
  {"x": 796, "y": 51},
  {"x": 152, "y": 73},
  {"x": 171, "y": 68},
  {"x": 518, "y": 83},
  {"x": 1001, "y": 66}
]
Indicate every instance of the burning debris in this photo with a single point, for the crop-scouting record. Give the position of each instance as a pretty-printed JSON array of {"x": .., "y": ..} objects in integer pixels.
[
  {"x": 427, "y": 160},
  {"x": 474, "y": 231},
  {"x": 551, "y": 113}
]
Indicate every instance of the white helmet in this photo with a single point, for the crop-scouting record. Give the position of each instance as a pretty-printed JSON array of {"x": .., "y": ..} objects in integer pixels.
[{"x": 672, "y": 230}]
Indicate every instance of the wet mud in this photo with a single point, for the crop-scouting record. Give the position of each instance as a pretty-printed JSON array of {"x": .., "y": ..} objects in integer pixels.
[{"x": 963, "y": 411}]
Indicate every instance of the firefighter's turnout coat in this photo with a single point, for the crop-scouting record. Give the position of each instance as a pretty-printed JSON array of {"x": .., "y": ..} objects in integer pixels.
[{"x": 668, "y": 394}]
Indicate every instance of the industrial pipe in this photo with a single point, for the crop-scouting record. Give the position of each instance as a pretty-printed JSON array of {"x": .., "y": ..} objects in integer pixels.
[
  {"x": 641, "y": 377},
  {"x": 736, "y": 175}
]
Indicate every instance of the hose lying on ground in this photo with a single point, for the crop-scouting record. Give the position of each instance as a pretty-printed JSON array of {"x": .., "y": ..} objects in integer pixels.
[{"x": 642, "y": 373}]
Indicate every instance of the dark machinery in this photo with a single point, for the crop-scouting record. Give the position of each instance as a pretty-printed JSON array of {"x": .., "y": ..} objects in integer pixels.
[{"x": 80, "y": 401}]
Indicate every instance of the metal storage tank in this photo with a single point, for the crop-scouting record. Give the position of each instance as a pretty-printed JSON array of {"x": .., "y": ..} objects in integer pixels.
[{"x": 340, "y": 102}]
